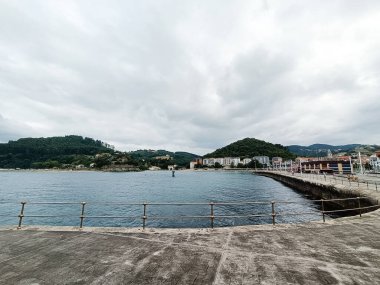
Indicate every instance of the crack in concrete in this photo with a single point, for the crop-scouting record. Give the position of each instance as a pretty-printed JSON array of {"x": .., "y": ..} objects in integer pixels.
[{"x": 222, "y": 258}]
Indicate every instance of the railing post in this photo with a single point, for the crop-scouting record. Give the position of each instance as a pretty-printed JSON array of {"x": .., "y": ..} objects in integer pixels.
[
  {"x": 273, "y": 214},
  {"x": 376, "y": 186},
  {"x": 82, "y": 215},
  {"x": 212, "y": 214},
  {"x": 360, "y": 209},
  {"x": 144, "y": 215},
  {"x": 21, "y": 215},
  {"x": 367, "y": 184},
  {"x": 323, "y": 210}
]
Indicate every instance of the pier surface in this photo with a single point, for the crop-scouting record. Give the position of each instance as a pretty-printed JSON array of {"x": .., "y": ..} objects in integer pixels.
[{"x": 344, "y": 252}]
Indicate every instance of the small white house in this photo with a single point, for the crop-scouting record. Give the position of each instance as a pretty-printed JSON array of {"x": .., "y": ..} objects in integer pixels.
[{"x": 374, "y": 161}]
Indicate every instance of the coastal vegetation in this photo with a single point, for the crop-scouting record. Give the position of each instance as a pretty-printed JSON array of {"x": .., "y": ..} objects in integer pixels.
[
  {"x": 250, "y": 147},
  {"x": 77, "y": 152},
  {"x": 163, "y": 158},
  {"x": 50, "y": 152}
]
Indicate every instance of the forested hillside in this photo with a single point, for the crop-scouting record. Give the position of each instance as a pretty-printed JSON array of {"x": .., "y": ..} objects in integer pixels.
[
  {"x": 50, "y": 152},
  {"x": 76, "y": 152},
  {"x": 151, "y": 157},
  {"x": 250, "y": 147}
]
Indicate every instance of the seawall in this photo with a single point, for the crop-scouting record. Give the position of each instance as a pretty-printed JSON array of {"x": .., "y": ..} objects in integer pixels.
[{"x": 323, "y": 189}]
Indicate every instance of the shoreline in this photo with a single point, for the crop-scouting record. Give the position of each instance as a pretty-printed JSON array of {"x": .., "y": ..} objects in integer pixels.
[{"x": 99, "y": 170}]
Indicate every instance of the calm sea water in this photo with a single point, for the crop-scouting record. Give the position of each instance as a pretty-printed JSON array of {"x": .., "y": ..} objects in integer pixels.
[{"x": 98, "y": 188}]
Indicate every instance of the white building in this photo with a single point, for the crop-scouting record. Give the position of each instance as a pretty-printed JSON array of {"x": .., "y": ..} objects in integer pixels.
[
  {"x": 276, "y": 160},
  {"x": 219, "y": 160},
  {"x": 264, "y": 160},
  {"x": 208, "y": 161},
  {"x": 231, "y": 160},
  {"x": 246, "y": 161},
  {"x": 225, "y": 161},
  {"x": 374, "y": 161}
]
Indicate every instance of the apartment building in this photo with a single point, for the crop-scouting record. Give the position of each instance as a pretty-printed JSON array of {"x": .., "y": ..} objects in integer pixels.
[{"x": 264, "y": 160}]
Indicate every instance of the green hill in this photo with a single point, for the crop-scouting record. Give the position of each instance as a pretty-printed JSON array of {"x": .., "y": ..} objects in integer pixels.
[
  {"x": 250, "y": 147},
  {"x": 51, "y": 152},
  {"x": 152, "y": 157},
  {"x": 75, "y": 151}
]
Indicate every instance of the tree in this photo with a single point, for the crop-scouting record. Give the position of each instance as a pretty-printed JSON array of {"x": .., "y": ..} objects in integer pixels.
[
  {"x": 218, "y": 165},
  {"x": 254, "y": 164},
  {"x": 103, "y": 159}
]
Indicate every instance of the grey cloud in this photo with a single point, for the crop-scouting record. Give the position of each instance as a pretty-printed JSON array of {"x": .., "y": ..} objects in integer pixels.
[{"x": 190, "y": 75}]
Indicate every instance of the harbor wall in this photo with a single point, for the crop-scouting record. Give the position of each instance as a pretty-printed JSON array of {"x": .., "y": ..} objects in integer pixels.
[{"x": 319, "y": 190}]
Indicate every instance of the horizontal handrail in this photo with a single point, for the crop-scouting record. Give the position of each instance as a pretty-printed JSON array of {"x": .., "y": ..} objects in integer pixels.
[
  {"x": 177, "y": 217},
  {"x": 113, "y": 217},
  {"x": 53, "y": 203},
  {"x": 212, "y": 216},
  {"x": 294, "y": 214},
  {"x": 352, "y": 209},
  {"x": 191, "y": 204},
  {"x": 50, "y": 216}
]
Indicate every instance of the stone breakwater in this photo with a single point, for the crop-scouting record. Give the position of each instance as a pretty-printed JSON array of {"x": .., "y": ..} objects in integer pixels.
[{"x": 319, "y": 188}]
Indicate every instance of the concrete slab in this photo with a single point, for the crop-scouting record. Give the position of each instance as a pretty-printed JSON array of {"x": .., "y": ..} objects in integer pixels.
[{"x": 344, "y": 251}]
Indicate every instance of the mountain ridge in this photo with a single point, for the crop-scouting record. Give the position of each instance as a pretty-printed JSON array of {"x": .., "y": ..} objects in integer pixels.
[{"x": 319, "y": 149}]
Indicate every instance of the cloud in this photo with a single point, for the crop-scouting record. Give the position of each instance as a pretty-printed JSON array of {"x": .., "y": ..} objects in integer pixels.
[{"x": 191, "y": 75}]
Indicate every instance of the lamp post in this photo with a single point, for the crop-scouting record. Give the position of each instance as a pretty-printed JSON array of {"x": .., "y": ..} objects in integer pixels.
[
  {"x": 352, "y": 170},
  {"x": 361, "y": 165}
]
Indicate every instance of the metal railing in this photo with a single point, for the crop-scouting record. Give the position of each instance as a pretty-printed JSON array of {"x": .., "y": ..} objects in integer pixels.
[{"x": 273, "y": 213}]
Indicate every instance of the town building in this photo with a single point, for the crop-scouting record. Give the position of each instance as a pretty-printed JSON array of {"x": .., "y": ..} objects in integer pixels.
[
  {"x": 374, "y": 161},
  {"x": 231, "y": 161},
  {"x": 195, "y": 162},
  {"x": 276, "y": 161},
  {"x": 208, "y": 161},
  {"x": 219, "y": 160},
  {"x": 163, "y": 157},
  {"x": 327, "y": 166},
  {"x": 264, "y": 160}
]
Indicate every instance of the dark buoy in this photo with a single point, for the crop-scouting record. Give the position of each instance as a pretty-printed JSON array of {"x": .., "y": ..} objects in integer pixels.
[{"x": 173, "y": 171}]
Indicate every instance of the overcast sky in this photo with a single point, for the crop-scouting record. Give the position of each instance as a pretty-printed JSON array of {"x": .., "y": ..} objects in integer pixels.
[{"x": 191, "y": 75}]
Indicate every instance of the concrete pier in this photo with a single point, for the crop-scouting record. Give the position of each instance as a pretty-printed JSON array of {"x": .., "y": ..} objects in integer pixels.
[
  {"x": 341, "y": 251},
  {"x": 346, "y": 251}
]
